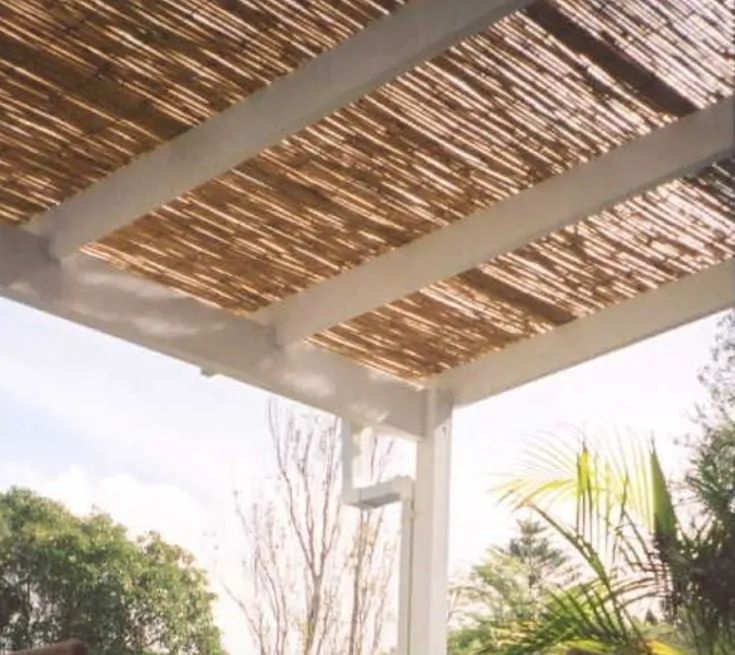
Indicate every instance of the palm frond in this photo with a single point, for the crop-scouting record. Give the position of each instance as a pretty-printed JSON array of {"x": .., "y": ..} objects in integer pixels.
[
  {"x": 586, "y": 619},
  {"x": 604, "y": 506}
]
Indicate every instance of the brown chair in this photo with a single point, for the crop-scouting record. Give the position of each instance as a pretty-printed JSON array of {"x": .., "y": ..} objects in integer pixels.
[{"x": 72, "y": 647}]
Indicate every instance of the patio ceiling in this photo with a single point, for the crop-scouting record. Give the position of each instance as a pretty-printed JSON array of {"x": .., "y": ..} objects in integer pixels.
[{"x": 363, "y": 199}]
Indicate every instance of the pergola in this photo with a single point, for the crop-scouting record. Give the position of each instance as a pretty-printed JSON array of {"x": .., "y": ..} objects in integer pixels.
[{"x": 383, "y": 209}]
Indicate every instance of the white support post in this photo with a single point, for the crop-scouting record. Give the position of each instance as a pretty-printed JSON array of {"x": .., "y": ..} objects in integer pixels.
[
  {"x": 405, "y": 583},
  {"x": 424, "y": 586},
  {"x": 354, "y": 448},
  {"x": 430, "y": 587}
]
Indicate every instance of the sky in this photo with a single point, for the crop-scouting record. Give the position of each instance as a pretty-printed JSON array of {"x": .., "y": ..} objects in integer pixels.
[{"x": 99, "y": 423}]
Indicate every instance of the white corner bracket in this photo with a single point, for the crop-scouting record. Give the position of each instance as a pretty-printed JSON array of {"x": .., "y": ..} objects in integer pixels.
[{"x": 357, "y": 444}]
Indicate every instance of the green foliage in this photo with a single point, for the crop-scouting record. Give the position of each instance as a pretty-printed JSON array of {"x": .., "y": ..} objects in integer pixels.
[
  {"x": 617, "y": 528},
  {"x": 651, "y": 586},
  {"x": 62, "y": 576},
  {"x": 543, "y": 562},
  {"x": 493, "y": 604},
  {"x": 718, "y": 377},
  {"x": 703, "y": 566},
  {"x": 505, "y": 592},
  {"x": 712, "y": 474},
  {"x": 703, "y": 563}
]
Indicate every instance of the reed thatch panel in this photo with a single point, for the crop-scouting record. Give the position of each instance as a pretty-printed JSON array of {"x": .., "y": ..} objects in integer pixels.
[
  {"x": 663, "y": 235},
  {"x": 652, "y": 34},
  {"x": 493, "y": 116},
  {"x": 87, "y": 85}
]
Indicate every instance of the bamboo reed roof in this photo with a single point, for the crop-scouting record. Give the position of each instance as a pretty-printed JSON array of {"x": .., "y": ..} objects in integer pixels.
[
  {"x": 85, "y": 87},
  {"x": 678, "y": 229},
  {"x": 88, "y": 85}
]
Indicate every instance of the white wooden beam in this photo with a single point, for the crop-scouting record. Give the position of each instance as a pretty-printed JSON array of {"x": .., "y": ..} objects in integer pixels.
[
  {"x": 91, "y": 293},
  {"x": 429, "y": 585},
  {"x": 377, "y": 54},
  {"x": 643, "y": 316},
  {"x": 667, "y": 153}
]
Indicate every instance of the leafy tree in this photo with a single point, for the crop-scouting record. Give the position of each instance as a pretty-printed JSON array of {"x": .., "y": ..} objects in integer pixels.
[
  {"x": 63, "y": 577},
  {"x": 504, "y": 593},
  {"x": 705, "y": 574},
  {"x": 712, "y": 475},
  {"x": 701, "y": 557},
  {"x": 718, "y": 376},
  {"x": 543, "y": 562}
]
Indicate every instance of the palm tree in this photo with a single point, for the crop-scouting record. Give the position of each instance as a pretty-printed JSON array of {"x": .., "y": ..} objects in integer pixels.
[{"x": 653, "y": 586}]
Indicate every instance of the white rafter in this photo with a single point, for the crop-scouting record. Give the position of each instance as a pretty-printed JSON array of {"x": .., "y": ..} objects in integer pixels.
[
  {"x": 667, "y": 153},
  {"x": 91, "y": 293},
  {"x": 375, "y": 55},
  {"x": 643, "y": 316}
]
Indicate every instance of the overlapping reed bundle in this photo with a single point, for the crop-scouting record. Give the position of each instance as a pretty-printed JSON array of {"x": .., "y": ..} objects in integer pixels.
[{"x": 87, "y": 85}]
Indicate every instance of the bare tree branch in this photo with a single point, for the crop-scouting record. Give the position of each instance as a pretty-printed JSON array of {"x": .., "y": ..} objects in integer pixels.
[{"x": 318, "y": 575}]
